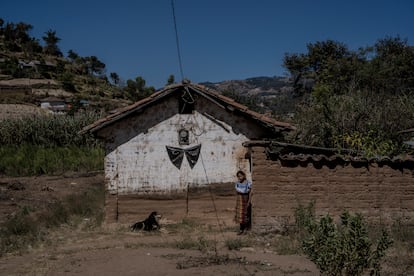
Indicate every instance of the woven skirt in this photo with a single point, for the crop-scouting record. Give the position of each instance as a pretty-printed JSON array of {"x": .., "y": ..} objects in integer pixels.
[{"x": 242, "y": 208}]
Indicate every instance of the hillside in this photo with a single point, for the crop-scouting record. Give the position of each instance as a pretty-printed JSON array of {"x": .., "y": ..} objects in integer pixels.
[
  {"x": 263, "y": 94},
  {"x": 31, "y": 71},
  {"x": 257, "y": 86}
]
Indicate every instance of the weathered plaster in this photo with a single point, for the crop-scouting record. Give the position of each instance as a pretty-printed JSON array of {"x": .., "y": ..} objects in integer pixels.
[{"x": 142, "y": 166}]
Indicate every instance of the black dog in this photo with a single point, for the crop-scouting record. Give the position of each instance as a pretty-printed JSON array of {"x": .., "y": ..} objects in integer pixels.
[{"x": 150, "y": 224}]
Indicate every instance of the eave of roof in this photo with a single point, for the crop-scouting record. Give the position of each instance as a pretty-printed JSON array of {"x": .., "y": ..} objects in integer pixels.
[
  {"x": 208, "y": 93},
  {"x": 303, "y": 153}
]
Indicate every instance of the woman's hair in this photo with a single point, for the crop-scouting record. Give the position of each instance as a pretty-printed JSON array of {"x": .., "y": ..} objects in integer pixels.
[{"x": 241, "y": 172}]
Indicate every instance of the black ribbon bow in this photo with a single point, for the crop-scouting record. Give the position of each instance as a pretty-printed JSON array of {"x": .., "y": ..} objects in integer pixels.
[{"x": 177, "y": 155}]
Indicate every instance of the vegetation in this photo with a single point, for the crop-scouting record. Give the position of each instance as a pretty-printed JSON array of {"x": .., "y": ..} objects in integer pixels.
[
  {"x": 51, "y": 41},
  {"x": 26, "y": 159},
  {"x": 344, "y": 249},
  {"x": 252, "y": 102},
  {"x": 85, "y": 76},
  {"x": 48, "y": 145},
  {"x": 28, "y": 227},
  {"x": 237, "y": 244},
  {"x": 48, "y": 130},
  {"x": 358, "y": 99},
  {"x": 202, "y": 244}
]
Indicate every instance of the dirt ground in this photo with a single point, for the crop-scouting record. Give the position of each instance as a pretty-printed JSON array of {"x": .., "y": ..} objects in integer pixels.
[
  {"x": 190, "y": 248},
  {"x": 186, "y": 247}
]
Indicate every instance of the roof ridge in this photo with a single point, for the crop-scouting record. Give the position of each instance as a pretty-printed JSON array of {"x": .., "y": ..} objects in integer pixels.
[{"x": 120, "y": 113}]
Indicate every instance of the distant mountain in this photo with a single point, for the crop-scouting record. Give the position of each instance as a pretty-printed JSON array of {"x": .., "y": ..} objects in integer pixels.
[
  {"x": 272, "y": 94},
  {"x": 256, "y": 86}
]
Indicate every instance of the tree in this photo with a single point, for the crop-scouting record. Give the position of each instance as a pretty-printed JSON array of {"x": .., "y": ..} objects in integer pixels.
[
  {"x": 22, "y": 32},
  {"x": 32, "y": 46},
  {"x": 325, "y": 62},
  {"x": 51, "y": 41},
  {"x": 359, "y": 99},
  {"x": 94, "y": 66},
  {"x": 114, "y": 77},
  {"x": 170, "y": 80},
  {"x": 136, "y": 89},
  {"x": 72, "y": 55},
  {"x": 391, "y": 70}
]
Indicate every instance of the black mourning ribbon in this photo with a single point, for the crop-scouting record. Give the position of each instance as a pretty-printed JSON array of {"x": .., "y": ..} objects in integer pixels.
[{"x": 177, "y": 155}]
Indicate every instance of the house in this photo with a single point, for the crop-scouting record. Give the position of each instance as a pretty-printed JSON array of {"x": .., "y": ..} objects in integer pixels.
[
  {"x": 183, "y": 137},
  {"x": 35, "y": 64},
  {"x": 54, "y": 104}
]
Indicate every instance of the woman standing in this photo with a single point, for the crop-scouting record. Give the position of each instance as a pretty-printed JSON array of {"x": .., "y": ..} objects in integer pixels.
[{"x": 243, "y": 203}]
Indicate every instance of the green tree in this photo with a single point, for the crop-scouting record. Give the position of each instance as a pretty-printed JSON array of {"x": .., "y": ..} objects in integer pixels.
[
  {"x": 51, "y": 40},
  {"x": 327, "y": 63},
  {"x": 114, "y": 77},
  {"x": 171, "y": 80},
  {"x": 72, "y": 55},
  {"x": 136, "y": 89},
  {"x": 32, "y": 47},
  {"x": 22, "y": 32},
  {"x": 94, "y": 66},
  {"x": 359, "y": 99},
  {"x": 10, "y": 39}
]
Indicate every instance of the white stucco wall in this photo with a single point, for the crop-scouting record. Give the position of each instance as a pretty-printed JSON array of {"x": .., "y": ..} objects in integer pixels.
[{"x": 141, "y": 165}]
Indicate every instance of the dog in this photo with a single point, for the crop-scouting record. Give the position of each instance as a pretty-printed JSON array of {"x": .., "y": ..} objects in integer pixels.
[{"x": 149, "y": 224}]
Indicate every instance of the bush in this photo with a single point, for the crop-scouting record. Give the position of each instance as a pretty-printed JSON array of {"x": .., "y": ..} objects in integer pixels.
[{"x": 343, "y": 249}]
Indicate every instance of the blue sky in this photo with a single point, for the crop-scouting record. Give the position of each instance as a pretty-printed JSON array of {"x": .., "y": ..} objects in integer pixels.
[{"x": 219, "y": 39}]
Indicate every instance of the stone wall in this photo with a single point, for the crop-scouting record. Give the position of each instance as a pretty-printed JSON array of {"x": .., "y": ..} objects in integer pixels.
[{"x": 381, "y": 193}]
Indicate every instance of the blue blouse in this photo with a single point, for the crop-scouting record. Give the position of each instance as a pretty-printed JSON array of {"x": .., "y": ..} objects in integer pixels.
[{"x": 243, "y": 188}]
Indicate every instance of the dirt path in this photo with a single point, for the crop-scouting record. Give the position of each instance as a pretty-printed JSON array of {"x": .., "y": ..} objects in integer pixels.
[
  {"x": 194, "y": 246},
  {"x": 116, "y": 251}
]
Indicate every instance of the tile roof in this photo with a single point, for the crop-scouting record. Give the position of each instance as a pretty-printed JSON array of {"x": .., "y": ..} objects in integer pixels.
[{"x": 309, "y": 154}]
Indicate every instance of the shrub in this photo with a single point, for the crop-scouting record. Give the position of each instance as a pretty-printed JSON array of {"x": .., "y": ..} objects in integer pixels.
[
  {"x": 304, "y": 218},
  {"x": 344, "y": 249}
]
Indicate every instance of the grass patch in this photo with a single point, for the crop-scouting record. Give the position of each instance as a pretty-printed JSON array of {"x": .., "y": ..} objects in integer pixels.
[
  {"x": 202, "y": 244},
  {"x": 28, "y": 227},
  {"x": 186, "y": 225},
  {"x": 236, "y": 244},
  {"x": 211, "y": 260},
  {"x": 287, "y": 245},
  {"x": 27, "y": 160}
]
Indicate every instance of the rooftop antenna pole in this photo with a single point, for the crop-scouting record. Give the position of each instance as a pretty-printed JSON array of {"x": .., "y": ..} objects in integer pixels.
[{"x": 177, "y": 41}]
